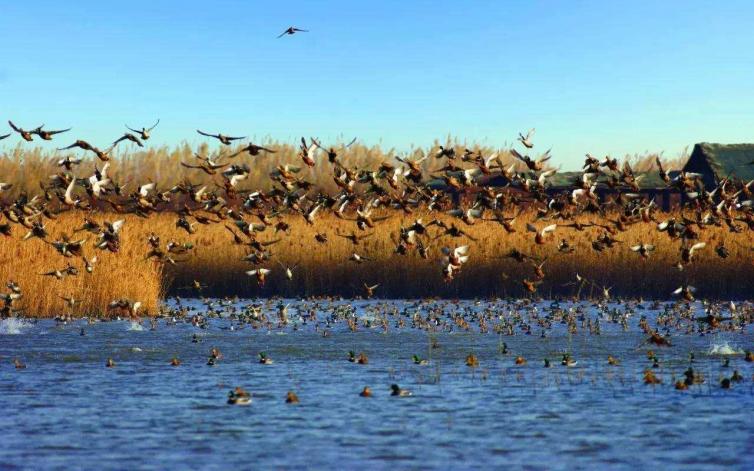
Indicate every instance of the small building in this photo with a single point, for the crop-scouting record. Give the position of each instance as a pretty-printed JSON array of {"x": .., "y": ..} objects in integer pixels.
[{"x": 717, "y": 161}]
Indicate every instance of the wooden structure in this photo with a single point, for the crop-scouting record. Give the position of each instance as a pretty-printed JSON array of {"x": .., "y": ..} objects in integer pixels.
[{"x": 717, "y": 161}]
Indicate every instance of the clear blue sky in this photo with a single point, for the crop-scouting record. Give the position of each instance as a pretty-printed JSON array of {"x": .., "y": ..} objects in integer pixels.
[{"x": 591, "y": 76}]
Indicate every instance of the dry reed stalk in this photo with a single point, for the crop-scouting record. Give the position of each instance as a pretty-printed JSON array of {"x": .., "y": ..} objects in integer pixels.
[
  {"x": 26, "y": 167},
  {"x": 324, "y": 269},
  {"x": 116, "y": 275}
]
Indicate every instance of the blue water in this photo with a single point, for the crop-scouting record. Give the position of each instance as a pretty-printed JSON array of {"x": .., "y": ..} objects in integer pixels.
[{"x": 67, "y": 411}]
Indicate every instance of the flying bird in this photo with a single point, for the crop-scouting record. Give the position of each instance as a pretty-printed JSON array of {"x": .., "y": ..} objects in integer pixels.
[
  {"x": 292, "y": 30},
  {"x": 47, "y": 135},
  {"x": 144, "y": 133},
  {"x": 227, "y": 140},
  {"x": 26, "y": 135}
]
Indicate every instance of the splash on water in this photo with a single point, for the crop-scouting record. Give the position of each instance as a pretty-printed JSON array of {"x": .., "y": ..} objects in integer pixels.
[
  {"x": 135, "y": 326},
  {"x": 723, "y": 349},
  {"x": 13, "y": 326}
]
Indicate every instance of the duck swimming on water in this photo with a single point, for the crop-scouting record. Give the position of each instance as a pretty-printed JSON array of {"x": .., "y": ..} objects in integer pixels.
[
  {"x": 239, "y": 397},
  {"x": 264, "y": 359},
  {"x": 398, "y": 391}
]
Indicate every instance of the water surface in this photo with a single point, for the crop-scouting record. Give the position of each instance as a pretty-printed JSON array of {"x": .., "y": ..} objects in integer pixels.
[{"x": 66, "y": 410}]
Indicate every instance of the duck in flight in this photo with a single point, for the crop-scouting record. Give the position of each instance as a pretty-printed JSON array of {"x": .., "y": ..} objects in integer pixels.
[
  {"x": 144, "y": 133},
  {"x": 25, "y": 135},
  {"x": 291, "y": 31},
  {"x": 47, "y": 135},
  {"x": 252, "y": 149},
  {"x": 227, "y": 140}
]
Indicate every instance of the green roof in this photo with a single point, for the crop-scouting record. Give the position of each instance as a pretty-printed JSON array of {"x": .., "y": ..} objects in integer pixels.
[{"x": 725, "y": 160}]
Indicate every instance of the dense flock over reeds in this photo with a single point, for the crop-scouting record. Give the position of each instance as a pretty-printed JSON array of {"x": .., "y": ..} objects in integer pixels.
[{"x": 342, "y": 225}]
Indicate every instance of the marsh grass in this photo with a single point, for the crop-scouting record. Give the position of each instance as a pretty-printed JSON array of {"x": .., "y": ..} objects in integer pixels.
[
  {"x": 324, "y": 270},
  {"x": 115, "y": 276},
  {"x": 26, "y": 167}
]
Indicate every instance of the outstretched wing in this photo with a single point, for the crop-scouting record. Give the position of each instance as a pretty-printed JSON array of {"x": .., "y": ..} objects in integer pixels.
[{"x": 206, "y": 134}]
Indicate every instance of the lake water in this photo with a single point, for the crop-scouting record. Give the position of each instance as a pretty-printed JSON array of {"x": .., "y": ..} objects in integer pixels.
[{"x": 67, "y": 411}]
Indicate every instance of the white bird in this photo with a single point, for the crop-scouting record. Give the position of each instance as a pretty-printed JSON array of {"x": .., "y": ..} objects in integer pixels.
[
  {"x": 643, "y": 249},
  {"x": 539, "y": 237},
  {"x": 455, "y": 257},
  {"x": 98, "y": 187},
  {"x": 581, "y": 193},
  {"x": 89, "y": 264},
  {"x": 68, "y": 198},
  {"x": 237, "y": 178},
  {"x": 526, "y": 140},
  {"x": 358, "y": 258},
  {"x": 146, "y": 188},
  {"x": 309, "y": 216},
  {"x": 288, "y": 270}
]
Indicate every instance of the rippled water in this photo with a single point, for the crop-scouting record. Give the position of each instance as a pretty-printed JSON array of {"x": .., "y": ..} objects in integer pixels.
[{"x": 66, "y": 410}]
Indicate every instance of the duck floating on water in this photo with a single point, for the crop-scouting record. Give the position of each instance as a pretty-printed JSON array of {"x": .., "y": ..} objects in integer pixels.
[
  {"x": 568, "y": 361},
  {"x": 651, "y": 378},
  {"x": 239, "y": 397},
  {"x": 264, "y": 359},
  {"x": 396, "y": 390},
  {"x": 291, "y": 398}
]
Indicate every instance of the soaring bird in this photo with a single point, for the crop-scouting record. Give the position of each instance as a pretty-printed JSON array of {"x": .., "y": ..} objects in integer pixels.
[
  {"x": 533, "y": 165},
  {"x": 102, "y": 155},
  {"x": 208, "y": 165},
  {"x": 144, "y": 133},
  {"x": 47, "y": 135},
  {"x": 128, "y": 137},
  {"x": 332, "y": 154},
  {"x": 26, "y": 135},
  {"x": 227, "y": 140},
  {"x": 252, "y": 149},
  {"x": 292, "y": 30},
  {"x": 526, "y": 140}
]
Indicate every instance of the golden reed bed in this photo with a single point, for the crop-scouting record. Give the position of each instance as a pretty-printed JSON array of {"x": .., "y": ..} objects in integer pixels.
[
  {"x": 26, "y": 165},
  {"x": 324, "y": 269},
  {"x": 115, "y": 276}
]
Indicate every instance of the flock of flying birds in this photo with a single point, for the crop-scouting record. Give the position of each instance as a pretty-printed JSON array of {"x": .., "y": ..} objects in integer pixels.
[{"x": 403, "y": 186}]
